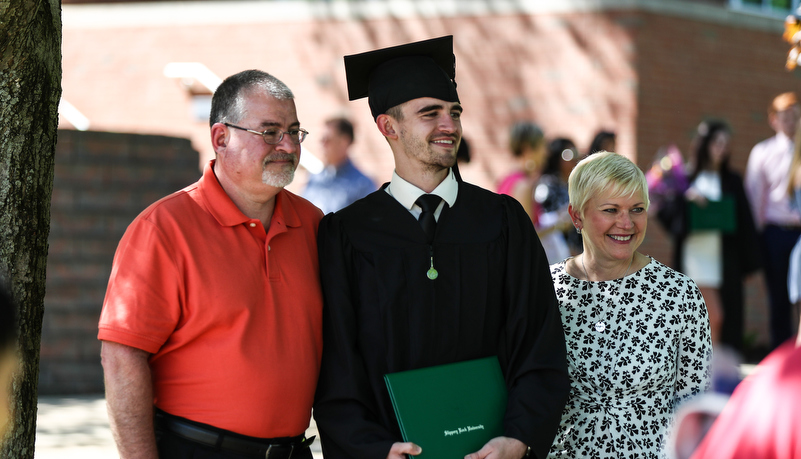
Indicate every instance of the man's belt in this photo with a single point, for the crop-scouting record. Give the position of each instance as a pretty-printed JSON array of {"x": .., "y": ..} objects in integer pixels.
[{"x": 253, "y": 448}]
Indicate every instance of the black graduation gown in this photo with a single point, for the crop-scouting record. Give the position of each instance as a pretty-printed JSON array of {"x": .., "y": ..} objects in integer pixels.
[{"x": 494, "y": 296}]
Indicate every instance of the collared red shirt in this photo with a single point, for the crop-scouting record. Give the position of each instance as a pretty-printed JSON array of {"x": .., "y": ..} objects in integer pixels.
[
  {"x": 231, "y": 312},
  {"x": 766, "y": 179},
  {"x": 406, "y": 193}
]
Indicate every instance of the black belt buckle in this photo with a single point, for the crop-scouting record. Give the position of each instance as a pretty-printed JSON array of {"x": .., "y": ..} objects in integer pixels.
[{"x": 273, "y": 450}]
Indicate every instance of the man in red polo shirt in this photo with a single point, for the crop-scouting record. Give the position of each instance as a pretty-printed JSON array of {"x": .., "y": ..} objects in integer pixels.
[{"x": 213, "y": 309}]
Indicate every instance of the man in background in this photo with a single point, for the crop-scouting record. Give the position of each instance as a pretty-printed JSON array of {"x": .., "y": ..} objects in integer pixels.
[
  {"x": 766, "y": 184},
  {"x": 340, "y": 182}
]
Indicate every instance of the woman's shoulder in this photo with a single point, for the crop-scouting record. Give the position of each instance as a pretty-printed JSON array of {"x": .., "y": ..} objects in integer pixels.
[
  {"x": 664, "y": 277},
  {"x": 559, "y": 269},
  {"x": 660, "y": 270},
  {"x": 563, "y": 276},
  {"x": 507, "y": 184},
  {"x": 559, "y": 266}
]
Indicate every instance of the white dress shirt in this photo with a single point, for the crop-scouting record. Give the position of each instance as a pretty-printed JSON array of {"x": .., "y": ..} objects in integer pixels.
[
  {"x": 406, "y": 193},
  {"x": 766, "y": 180}
]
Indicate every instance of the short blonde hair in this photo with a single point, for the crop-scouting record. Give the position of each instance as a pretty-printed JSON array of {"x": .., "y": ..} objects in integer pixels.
[{"x": 605, "y": 171}]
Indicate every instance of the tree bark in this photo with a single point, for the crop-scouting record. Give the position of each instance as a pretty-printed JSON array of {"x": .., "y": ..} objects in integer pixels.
[{"x": 30, "y": 89}]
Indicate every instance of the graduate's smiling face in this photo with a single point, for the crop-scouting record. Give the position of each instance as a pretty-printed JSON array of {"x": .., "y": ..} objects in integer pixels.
[{"x": 430, "y": 131}]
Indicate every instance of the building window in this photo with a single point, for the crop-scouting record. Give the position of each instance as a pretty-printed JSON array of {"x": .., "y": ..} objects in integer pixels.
[{"x": 777, "y": 8}]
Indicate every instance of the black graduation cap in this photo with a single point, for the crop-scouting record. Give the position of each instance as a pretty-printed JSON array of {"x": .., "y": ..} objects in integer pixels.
[{"x": 392, "y": 76}]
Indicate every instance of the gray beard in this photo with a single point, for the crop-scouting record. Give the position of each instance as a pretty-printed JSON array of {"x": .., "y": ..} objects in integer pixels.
[{"x": 278, "y": 179}]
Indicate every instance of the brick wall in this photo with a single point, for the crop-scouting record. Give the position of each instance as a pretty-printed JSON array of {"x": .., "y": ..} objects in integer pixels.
[{"x": 102, "y": 181}]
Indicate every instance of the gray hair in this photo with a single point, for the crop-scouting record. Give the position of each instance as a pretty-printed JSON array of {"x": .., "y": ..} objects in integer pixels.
[{"x": 228, "y": 102}]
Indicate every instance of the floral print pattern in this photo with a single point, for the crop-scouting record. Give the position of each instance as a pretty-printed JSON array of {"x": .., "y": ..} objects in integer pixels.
[{"x": 627, "y": 380}]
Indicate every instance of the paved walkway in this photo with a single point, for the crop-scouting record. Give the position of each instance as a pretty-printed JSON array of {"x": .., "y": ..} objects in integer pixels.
[{"x": 76, "y": 427}]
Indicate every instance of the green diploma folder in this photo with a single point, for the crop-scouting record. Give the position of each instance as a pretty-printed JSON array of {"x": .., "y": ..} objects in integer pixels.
[
  {"x": 450, "y": 410},
  {"x": 715, "y": 216}
]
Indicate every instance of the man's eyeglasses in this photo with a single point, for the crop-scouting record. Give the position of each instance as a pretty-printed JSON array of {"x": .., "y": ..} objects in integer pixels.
[{"x": 274, "y": 136}]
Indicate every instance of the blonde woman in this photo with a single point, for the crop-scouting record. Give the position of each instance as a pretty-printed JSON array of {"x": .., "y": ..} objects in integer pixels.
[{"x": 637, "y": 332}]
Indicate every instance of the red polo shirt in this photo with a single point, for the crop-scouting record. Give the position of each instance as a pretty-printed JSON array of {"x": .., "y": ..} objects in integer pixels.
[{"x": 230, "y": 313}]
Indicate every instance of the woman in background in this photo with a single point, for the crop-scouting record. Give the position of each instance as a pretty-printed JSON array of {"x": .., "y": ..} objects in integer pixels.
[
  {"x": 527, "y": 144},
  {"x": 551, "y": 190},
  {"x": 717, "y": 259},
  {"x": 603, "y": 141},
  {"x": 637, "y": 332}
]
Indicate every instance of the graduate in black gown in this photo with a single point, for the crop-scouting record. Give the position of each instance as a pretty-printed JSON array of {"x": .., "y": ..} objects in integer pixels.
[{"x": 398, "y": 299}]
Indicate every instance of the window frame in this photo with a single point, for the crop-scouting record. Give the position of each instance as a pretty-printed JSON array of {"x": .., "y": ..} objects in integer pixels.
[{"x": 765, "y": 8}]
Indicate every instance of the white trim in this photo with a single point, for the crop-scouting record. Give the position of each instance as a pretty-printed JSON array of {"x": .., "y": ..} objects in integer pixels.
[
  {"x": 765, "y": 10},
  {"x": 160, "y": 14},
  {"x": 310, "y": 161},
  {"x": 73, "y": 115},
  {"x": 193, "y": 71}
]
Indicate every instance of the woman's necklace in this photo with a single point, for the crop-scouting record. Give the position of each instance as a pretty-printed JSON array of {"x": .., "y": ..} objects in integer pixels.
[{"x": 600, "y": 326}]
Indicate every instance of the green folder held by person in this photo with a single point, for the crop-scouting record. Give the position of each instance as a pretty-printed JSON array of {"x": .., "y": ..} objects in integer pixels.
[{"x": 450, "y": 410}]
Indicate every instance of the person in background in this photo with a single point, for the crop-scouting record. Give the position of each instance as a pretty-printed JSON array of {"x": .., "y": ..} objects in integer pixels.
[
  {"x": 527, "y": 144},
  {"x": 794, "y": 269},
  {"x": 551, "y": 190},
  {"x": 340, "y": 183},
  {"x": 766, "y": 184},
  {"x": 431, "y": 270},
  {"x": 603, "y": 141},
  {"x": 637, "y": 331},
  {"x": 528, "y": 147},
  {"x": 213, "y": 313},
  {"x": 717, "y": 259},
  {"x": 8, "y": 357}
]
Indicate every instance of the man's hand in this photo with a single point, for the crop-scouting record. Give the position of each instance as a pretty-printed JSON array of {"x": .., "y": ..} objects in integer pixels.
[
  {"x": 500, "y": 448},
  {"x": 399, "y": 450}
]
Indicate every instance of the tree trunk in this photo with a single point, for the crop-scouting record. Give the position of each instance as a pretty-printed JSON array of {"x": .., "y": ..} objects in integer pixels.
[{"x": 30, "y": 89}]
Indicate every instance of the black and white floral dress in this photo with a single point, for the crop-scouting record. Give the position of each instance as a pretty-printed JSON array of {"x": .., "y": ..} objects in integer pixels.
[{"x": 628, "y": 374}]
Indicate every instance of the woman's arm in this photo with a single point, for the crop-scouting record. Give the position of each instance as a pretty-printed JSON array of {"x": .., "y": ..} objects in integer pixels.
[{"x": 695, "y": 348}]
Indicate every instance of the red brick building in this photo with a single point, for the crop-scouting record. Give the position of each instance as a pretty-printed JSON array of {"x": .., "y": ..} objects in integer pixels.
[{"x": 649, "y": 70}]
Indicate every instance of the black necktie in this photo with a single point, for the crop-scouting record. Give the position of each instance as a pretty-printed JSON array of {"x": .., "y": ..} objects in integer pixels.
[{"x": 429, "y": 203}]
